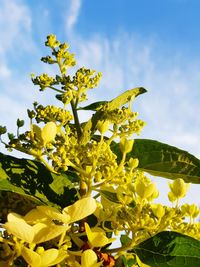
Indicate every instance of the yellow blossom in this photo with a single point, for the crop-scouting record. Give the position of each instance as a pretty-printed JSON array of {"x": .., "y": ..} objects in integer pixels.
[
  {"x": 178, "y": 188},
  {"x": 126, "y": 145},
  {"x": 146, "y": 190},
  {"x": 190, "y": 210},
  {"x": 47, "y": 258},
  {"x": 158, "y": 210},
  {"x": 89, "y": 259},
  {"x": 37, "y": 233},
  {"x": 97, "y": 237},
  {"x": 75, "y": 212},
  {"x": 46, "y": 134}
]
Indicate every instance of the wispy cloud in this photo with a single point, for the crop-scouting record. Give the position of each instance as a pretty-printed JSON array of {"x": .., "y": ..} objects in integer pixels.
[
  {"x": 72, "y": 14},
  {"x": 170, "y": 107}
]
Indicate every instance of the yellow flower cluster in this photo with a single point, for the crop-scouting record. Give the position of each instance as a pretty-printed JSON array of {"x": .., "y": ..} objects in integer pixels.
[{"x": 123, "y": 196}]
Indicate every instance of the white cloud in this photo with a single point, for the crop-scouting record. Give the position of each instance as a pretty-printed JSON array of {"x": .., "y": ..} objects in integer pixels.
[
  {"x": 4, "y": 71},
  {"x": 15, "y": 24},
  {"x": 171, "y": 105},
  {"x": 73, "y": 13}
]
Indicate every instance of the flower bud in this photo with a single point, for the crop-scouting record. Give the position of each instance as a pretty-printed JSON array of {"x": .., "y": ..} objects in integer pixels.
[
  {"x": 158, "y": 210},
  {"x": 103, "y": 126},
  {"x": 126, "y": 145},
  {"x": 179, "y": 188},
  {"x": 133, "y": 163},
  {"x": 145, "y": 190}
]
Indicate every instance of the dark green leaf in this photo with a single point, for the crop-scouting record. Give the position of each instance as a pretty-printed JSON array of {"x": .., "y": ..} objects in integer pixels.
[
  {"x": 169, "y": 249},
  {"x": 163, "y": 160},
  {"x": 111, "y": 196},
  {"x": 31, "y": 178},
  {"x": 125, "y": 240},
  {"x": 121, "y": 262}
]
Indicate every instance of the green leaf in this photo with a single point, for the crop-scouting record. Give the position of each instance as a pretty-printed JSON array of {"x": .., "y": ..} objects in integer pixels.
[
  {"x": 125, "y": 97},
  {"x": 33, "y": 179},
  {"x": 94, "y": 106},
  {"x": 163, "y": 160},
  {"x": 169, "y": 249},
  {"x": 121, "y": 262},
  {"x": 111, "y": 196},
  {"x": 125, "y": 240}
]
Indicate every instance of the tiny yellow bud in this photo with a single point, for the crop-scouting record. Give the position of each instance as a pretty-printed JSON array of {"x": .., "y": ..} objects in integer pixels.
[
  {"x": 145, "y": 190},
  {"x": 40, "y": 250},
  {"x": 133, "y": 163},
  {"x": 103, "y": 126},
  {"x": 126, "y": 145},
  {"x": 179, "y": 188},
  {"x": 158, "y": 210}
]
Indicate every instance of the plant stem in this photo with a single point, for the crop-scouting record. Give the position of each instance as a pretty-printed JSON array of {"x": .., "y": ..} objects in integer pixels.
[{"x": 76, "y": 119}]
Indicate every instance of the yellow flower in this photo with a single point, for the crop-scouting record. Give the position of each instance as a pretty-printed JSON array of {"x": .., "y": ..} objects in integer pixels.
[
  {"x": 47, "y": 134},
  {"x": 126, "y": 145},
  {"x": 190, "y": 210},
  {"x": 146, "y": 190},
  {"x": 103, "y": 126},
  {"x": 38, "y": 233},
  {"x": 89, "y": 259},
  {"x": 97, "y": 237},
  {"x": 73, "y": 213},
  {"x": 158, "y": 210},
  {"x": 178, "y": 188},
  {"x": 47, "y": 258}
]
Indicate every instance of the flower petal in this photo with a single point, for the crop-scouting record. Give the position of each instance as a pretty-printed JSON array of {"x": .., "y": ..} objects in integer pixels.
[
  {"x": 17, "y": 226},
  {"x": 31, "y": 257},
  {"x": 80, "y": 209}
]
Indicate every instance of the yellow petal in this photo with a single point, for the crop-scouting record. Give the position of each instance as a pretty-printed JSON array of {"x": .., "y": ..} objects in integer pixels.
[
  {"x": 80, "y": 209},
  {"x": 19, "y": 228},
  {"x": 97, "y": 237},
  {"x": 44, "y": 232},
  {"x": 51, "y": 257},
  {"x": 35, "y": 216},
  {"x": 31, "y": 257},
  {"x": 53, "y": 213},
  {"x": 37, "y": 131},
  {"x": 88, "y": 258},
  {"x": 49, "y": 132}
]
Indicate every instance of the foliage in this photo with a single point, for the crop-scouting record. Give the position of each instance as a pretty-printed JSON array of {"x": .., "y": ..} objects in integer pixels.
[{"x": 87, "y": 186}]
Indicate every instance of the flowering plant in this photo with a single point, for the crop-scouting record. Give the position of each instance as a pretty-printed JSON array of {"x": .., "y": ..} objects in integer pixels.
[{"x": 87, "y": 186}]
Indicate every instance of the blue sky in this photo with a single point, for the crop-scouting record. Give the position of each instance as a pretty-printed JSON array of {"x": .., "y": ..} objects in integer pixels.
[{"x": 150, "y": 43}]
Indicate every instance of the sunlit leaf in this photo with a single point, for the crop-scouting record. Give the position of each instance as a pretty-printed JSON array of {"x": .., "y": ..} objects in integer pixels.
[
  {"x": 32, "y": 179},
  {"x": 163, "y": 160},
  {"x": 169, "y": 249}
]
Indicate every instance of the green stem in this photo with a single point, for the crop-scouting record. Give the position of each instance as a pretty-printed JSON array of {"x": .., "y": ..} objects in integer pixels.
[
  {"x": 76, "y": 119},
  {"x": 55, "y": 89}
]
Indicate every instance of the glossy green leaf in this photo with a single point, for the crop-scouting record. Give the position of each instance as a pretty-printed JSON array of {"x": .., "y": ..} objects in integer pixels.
[
  {"x": 33, "y": 179},
  {"x": 163, "y": 160},
  {"x": 169, "y": 249}
]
